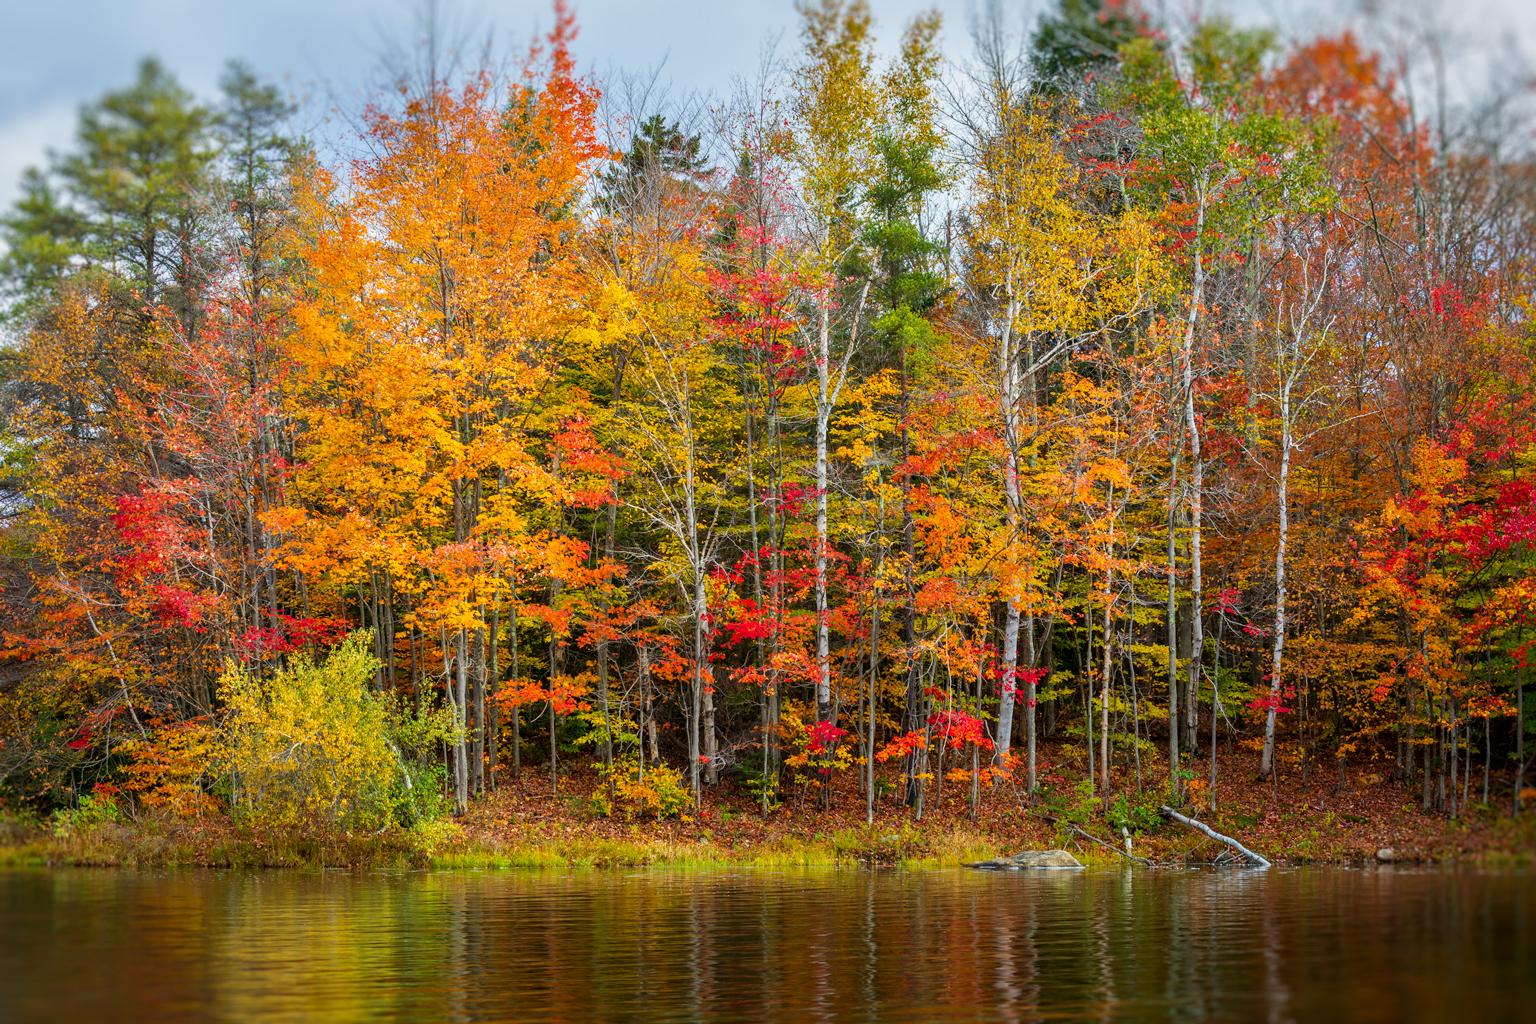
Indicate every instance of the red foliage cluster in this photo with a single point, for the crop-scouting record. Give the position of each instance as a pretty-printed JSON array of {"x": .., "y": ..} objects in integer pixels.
[
  {"x": 957, "y": 728},
  {"x": 290, "y": 634},
  {"x": 824, "y": 738}
]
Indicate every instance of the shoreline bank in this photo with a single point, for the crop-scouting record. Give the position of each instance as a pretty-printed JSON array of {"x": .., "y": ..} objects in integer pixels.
[{"x": 530, "y": 827}]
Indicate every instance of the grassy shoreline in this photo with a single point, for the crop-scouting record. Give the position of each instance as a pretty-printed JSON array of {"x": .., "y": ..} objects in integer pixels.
[
  {"x": 600, "y": 854},
  {"x": 574, "y": 845},
  {"x": 529, "y": 824},
  {"x": 162, "y": 845}
]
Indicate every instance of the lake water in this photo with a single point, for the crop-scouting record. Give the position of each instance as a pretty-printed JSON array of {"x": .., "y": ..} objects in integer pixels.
[{"x": 1302, "y": 945}]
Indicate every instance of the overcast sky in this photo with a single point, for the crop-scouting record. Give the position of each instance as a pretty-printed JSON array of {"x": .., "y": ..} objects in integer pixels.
[{"x": 57, "y": 54}]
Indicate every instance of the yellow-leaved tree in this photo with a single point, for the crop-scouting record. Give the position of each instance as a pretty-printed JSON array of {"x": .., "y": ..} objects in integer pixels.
[
  {"x": 1045, "y": 275},
  {"x": 313, "y": 742}
]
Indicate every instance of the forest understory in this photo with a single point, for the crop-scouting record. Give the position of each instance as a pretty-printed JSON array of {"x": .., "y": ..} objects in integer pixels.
[{"x": 1318, "y": 814}]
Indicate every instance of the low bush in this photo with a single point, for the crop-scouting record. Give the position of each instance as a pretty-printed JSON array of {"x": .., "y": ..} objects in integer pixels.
[
  {"x": 657, "y": 791},
  {"x": 313, "y": 742}
]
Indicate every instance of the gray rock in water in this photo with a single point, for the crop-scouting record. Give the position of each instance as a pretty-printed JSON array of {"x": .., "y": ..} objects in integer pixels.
[
  {"x": 1386, "y": 855},
  {"x": 1032, "y": 860}
]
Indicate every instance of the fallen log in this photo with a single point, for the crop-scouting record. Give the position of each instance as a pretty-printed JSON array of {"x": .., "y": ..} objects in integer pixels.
[{"x": 1200, "y": 826}]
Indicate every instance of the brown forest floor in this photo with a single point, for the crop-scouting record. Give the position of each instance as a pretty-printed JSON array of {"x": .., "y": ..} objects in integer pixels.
[{"x": 1292, "y": 820}]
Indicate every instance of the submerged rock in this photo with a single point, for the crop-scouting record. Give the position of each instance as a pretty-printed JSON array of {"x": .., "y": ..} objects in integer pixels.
[{"x": 1032, "y": 860}]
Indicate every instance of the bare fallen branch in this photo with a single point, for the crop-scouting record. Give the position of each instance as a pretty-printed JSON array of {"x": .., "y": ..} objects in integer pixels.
[
  {"x": 1200, "y": 826},
  {"x": 1111, "y": 847}
]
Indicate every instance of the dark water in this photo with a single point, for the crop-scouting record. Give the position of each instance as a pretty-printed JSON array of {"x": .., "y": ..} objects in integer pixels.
[{"x": 1305, "y": 945}]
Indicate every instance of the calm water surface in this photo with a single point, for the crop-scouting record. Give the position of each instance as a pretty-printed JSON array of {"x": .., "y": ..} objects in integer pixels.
[{"x": 1305, "y": 945}]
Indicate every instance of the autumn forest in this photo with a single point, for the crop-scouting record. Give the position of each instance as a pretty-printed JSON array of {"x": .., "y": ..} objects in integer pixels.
[{"x": 1127, "y": 413}]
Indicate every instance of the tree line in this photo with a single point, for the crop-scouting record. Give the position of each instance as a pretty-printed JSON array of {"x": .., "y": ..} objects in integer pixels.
[{"x": 1121, "y": 402}]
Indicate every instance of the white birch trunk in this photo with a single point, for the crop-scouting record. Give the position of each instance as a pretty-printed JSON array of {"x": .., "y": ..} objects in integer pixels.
[
  {"x": 824, "y": 402},
  {"x": 1277, "y": 649},
  {"x": 1197, "y": 482},
  {"x": 1011, "y": 387}
]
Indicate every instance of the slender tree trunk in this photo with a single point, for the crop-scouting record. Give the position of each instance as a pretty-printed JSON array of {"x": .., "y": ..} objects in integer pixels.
[
  {"x": 1197, "y": 475},
  {"x": 775, "y": 590},
  {"x": 1440, "y": 756},
  {"x": 829, "y": 383},
  {"x": 874, "y": 669},
  {"x": 1277, "y": 647},
  {"x": 913, "y": 711},
  {"x": 1108, "y": 644},
  {"x": 647, "y": 709},
  {"x": 493, "y": 713},
  {"x": 1466, "y": 763},
  {"x": 1173, "y": 631},
  {"x": 603, "y": 659},
  {"x": 1519, "y": 800},
  {"x": 1487, "y": 755},
  {"x": 975, "y": 801},
  {"x": 516, "y": 674},
  {"x": 1031, "y": 685},
  {"x": 749, "y": 432},
  {"x": 460, "y": 753},
  {"x": 711, "y": 735},
  {"x": 696, "y": 717},
  {"x": 1085, "y": 671},
  {"x": 1009, "y": 371},
  {"x": 1429, "y": 743},
  {"x": 554, "y": 715},
  {"x": 823, "y": 428},
  {"x": 1215, "y": 710},
  {"x": 477, "y": 696},
  {"x": 1455, "y": 747}
]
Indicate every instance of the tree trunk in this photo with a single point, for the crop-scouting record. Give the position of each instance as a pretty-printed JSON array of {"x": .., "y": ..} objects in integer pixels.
[
  {"x": 1108, "y": 644},
  {"x": 700, "y": 611},
  {"x": 1197, "y": 475},
  {"x": 823, "y": 428},
  {"x": 647, "y": 711},
  {"x": 913, "y": 711},
  {"x": 493, "y": 712},
  {"x": 1519, "y": 801},
  {"x": 477, "y": 697},
  {"x": 515, "y": 673},
  {"x": 1085, "y": 672},
  {"x": 1277, "y": 648},
  {"x": 460, "y": 753},
  {"x": 1173, "y": 613},
  {"x": 1031, "y": 685},
  {"x": 1011, "y": 386},
  {"x": 874, "y": 672}
]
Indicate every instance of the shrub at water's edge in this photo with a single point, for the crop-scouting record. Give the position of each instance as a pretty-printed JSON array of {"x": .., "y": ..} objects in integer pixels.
[
  {"x": 315, "y": 744},
  {"x": 304, "y": 764}
]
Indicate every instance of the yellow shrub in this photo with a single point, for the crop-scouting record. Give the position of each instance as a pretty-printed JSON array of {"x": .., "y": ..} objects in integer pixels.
[
  {"x": 311, "y": 742},
  {"x": 657, "y": 792}
]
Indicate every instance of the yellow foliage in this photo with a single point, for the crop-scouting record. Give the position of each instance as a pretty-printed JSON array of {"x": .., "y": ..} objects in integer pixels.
[
  {"x": 658, "y": 791},
  {"x": 310, "y": 742}
]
